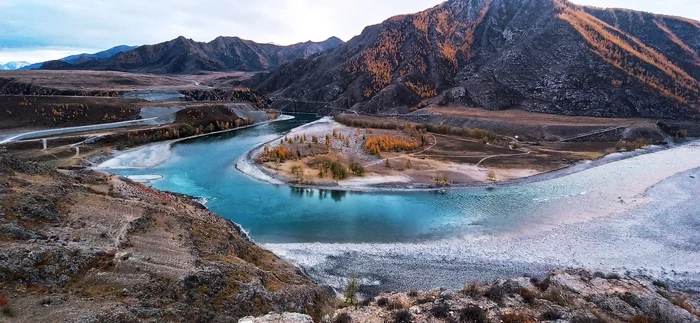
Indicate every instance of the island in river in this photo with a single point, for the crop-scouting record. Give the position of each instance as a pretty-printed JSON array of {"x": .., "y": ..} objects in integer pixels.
[{"x": 353, "y": 152}]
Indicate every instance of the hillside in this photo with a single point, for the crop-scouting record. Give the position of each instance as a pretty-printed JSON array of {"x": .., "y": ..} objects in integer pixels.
[
  {"x": 186, "y": 56},
  {"x": 88, "y": 247},
  {"x": 545, "y": 56}
]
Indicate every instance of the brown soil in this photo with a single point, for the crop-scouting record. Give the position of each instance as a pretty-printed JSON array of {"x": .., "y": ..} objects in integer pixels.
[
  {"x": 57, "y": 111},
  {"x": 532, "y": 118},
  {"x": 121, "y": 81},
  {"x": 85, "y": 245}
]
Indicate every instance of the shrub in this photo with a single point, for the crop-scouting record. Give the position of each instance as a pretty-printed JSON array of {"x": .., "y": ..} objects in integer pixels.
[
  {"x": 338, "y": 170},
  {"x": 351, "y": 291},
  {"x": 495, "y": 293},
  {"x": 398, "y": 305},
  {"x": 403, "y": 316},
  {"x": 541, "y": 285},
  {"x": 425, "y": 300},
  {"x": 382, "y": 301},
  {"x": 473, "y": 314},
  {"x": 366, "y": 302},
  {"x": 471, "y": 290},
  {"x": 440, "y": 311},
  {"x": 558, "y": 296},
  {"x": 343, "y": 318},
  {"x": 357, "y": 168},
  {"x": 660, "y": 284},
  {"x": 613, "y": 276},
  {"x": 527, "y": 295}
]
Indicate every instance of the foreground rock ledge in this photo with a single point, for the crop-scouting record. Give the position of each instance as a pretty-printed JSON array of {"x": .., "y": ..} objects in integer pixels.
[{"x": 90, "y": 247}]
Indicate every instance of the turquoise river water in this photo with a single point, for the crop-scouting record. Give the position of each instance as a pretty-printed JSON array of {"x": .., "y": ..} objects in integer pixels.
[{"x": 634, "y": 213}]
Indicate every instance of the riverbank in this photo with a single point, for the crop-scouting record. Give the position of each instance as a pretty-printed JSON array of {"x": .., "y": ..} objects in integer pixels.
[{"x": 151, "y": 155}]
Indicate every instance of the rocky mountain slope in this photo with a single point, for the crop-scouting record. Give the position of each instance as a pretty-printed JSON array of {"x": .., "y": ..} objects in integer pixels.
[
  {"x": 85, "y": 57},
  {"x": 93, "y": 248},
  {"x": 564, "y": 296},
  {"x": 186, "y": 56},
  {"x": 546, "y": 56}
]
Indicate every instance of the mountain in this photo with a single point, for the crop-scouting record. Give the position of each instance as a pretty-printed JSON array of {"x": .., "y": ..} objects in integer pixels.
[
  {"x": 538, "y": 55},
  {"x": 13, "y": 66},
  {"x": 82, "y": 58},
  {"x": 182, "y": 56}
]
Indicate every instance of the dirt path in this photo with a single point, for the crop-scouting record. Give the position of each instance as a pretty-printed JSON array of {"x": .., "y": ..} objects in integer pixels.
[{"x": 495, "y": 156}]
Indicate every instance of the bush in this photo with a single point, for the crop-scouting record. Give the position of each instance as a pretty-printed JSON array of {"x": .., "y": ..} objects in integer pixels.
[
  {"x": 541, "y": 285},
  {"x": 660, "y": 284},
  {"x": 496, "y": 293},
  {"x": 398, "y": 305},
  {"x": 527, "y": 295},
  {"x": 473, "y": 314},
  {"x": 338, "y": 170},
  {"x": 357, "y": 168},
  {"x": 343, "y": 318},
  {"x": 382, "y": 301},
  {"x": 440, "y": 311},
  {"x": 351, "y": 291},
  {"x": 403, "y": 316},
  {"x": 471, "y": 290}
]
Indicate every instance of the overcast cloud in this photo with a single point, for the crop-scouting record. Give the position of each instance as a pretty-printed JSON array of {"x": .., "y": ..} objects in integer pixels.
[{"x": 38, "y": 30}]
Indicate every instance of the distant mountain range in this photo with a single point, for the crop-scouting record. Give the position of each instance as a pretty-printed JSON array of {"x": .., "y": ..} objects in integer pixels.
[
  {"x": 12, "y": 66},
  {"x": 183, "y": 56},
  {"x": 84, "y": 58},
  {"x": 547, "y": 56}
]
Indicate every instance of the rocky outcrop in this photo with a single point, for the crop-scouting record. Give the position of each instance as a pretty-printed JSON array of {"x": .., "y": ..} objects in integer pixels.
[
  {"x": 186, "y": 56},
  {"x": 545, "y": 56},
  {"x": 564, "y": 296},
  {"x": 94, "y": 248}
]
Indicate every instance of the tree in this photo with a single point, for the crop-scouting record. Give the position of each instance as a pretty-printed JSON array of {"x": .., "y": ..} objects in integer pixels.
[
  {"x": 386, "y": 163},
  {"x": 351, "y": 291},
  {"x": 409, "y": 164},
  {"x": 492, "y": 176}
]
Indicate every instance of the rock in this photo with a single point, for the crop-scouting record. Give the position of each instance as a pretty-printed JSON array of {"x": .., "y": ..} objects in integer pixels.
[
  {"x": 278, "y": 318},
  {"x": 125, "y": 292}
]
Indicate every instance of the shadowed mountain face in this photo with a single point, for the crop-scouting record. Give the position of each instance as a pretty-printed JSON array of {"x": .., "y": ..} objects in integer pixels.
[
  {"x": 538, "y": 55},
  {"x": 183, "y": 56}
]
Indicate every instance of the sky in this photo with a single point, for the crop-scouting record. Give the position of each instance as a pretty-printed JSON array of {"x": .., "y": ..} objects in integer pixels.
[{"x": 40, "y": 30}]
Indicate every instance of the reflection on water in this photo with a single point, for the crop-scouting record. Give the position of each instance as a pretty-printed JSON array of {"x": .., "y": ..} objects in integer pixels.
[{"x": 336, "y": 196}]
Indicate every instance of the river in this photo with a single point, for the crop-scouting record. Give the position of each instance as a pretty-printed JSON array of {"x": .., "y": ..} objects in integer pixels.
[{"x": 638, "y": 215}]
